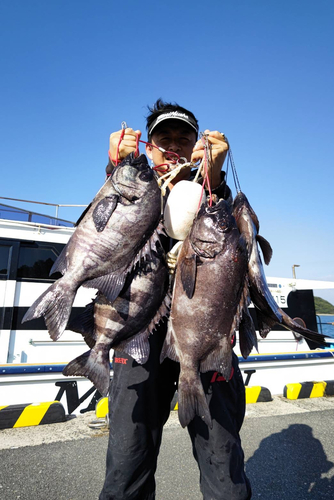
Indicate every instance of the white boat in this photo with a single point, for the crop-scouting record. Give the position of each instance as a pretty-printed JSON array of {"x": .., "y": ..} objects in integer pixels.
[{"x": 31, "y": 363}]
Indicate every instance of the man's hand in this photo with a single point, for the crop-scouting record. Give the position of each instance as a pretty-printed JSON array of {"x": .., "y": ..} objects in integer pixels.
[
  {"x": 126, "y": 146},
  {"x": 218, "y": 148}
]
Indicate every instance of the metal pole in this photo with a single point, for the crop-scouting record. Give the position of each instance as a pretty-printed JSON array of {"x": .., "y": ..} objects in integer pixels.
[{"x": 294, "y": 271}]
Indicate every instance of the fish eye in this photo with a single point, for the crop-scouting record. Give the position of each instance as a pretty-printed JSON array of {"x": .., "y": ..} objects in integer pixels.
[{"x": 146, "y": 175}]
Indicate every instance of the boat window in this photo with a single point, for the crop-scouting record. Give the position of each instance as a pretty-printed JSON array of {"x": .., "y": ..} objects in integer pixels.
[
  {"x": 4, "y": 259},
  {"x": 36, "y": 260}
]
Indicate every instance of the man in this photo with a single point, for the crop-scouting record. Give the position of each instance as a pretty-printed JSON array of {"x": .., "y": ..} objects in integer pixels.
[{"x": 141, "y": 395}]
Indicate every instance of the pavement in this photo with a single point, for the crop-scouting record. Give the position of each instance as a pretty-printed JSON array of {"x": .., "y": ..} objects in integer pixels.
[{"x": 288, "y": 445}]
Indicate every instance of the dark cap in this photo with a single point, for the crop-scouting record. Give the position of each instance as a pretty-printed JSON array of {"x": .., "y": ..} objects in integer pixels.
[{"x": 173, "y": 115}]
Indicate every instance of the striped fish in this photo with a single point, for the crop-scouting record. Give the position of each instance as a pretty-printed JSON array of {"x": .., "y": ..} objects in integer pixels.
[
  {"x": 124, "y": 324},
  {"x": 115, "y": 232}
]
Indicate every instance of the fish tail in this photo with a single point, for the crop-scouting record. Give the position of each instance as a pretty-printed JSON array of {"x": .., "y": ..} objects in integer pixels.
[
  {"x": 305, "y": 332},
  {"x": 94, "y": 365},
  {"x": 169, "y": 346},
  {"x": 192, "y": 400},
  {"x": 55, "y": 306}
]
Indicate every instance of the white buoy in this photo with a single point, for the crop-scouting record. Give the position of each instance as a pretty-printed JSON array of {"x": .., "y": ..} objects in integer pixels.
[{"x": 181, "y": 207}]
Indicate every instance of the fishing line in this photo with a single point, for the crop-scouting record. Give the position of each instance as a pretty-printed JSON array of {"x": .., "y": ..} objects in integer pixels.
[
  {"x": 207, "y": 153},
  {"x": 204, "y": 167},
  {"x": 230, "y": 161},
  {"x": 119, "y": 142}
]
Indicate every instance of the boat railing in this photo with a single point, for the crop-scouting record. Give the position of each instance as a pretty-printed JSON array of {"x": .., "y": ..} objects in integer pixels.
[
  {"x": 319, "y": 323},
  {"x": 9, "y": 212}
]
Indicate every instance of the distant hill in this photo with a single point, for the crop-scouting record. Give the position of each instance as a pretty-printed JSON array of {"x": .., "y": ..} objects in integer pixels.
[{"x": 322, "y": 306}]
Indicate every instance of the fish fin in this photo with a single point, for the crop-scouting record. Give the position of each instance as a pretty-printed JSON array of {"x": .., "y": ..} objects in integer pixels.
[
  {"x": 83, "y": 215},
  {"x": 103, "y": 211},
  {"x": 168, "y": 349},
  {"x": 84, "y": 323},
  {"x": 90, "y": 339},
  {"x": 162, "y": 312},
  {"x": 247, "y": 334},
  {"x": 245, "y": 325},
  {"x": 265, "y": 323},
  {"x": 265, "y": 246},
  {"x": 109, "y": 285},
  {"x": 93, "y": 366},
  {"x": 55, "y": 306},
  {"x": 60, "y": 264},
  {"x": 188, "y": 272},
  {"x": 151, "y": 245},
  {"x": 160, "y": 229},
  {"x": 137, "y": 347},
  {"x": 290, "y": 324},
  {"x": 220, "y": 359},
  {"x": 192, "y": 400}
]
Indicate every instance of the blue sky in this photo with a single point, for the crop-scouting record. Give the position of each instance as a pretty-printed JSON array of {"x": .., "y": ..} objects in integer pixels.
[{"x": 261, "y": 71}]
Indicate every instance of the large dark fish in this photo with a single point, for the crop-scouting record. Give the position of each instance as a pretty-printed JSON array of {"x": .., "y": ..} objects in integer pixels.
[
  {"x": 268, "y": 312},
  {"x": 206, "y": 305},
  {"x": 116, "y": 230},
  {"x": 124, "y": 324}
]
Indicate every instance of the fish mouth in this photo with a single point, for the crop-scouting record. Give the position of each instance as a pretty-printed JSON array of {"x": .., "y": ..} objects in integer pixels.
[
  {"x": 221, "y": 213},
  {"x": 215, "y": 207},
  {"x": 126, "y": 187},
  {"x": 206, "y": 209}
]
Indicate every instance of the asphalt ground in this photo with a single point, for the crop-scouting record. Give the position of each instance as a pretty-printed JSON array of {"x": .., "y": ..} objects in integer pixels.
[{"x": 288, "y": 445}]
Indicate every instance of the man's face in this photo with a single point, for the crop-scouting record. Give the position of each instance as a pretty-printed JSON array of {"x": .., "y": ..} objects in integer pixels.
[{"x": 172, "y": 135}]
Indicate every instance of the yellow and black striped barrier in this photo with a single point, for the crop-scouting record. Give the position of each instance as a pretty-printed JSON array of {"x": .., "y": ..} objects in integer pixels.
[
  {"x": 25, "y": 415},
  {"x": 101, "y": 408},
  {"x": 257, "y": 394},
  {"x": 305, "y": 390}
]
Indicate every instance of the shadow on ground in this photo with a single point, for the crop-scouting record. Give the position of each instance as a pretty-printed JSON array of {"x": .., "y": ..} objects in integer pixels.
[{"x": 291, "y": 462}]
